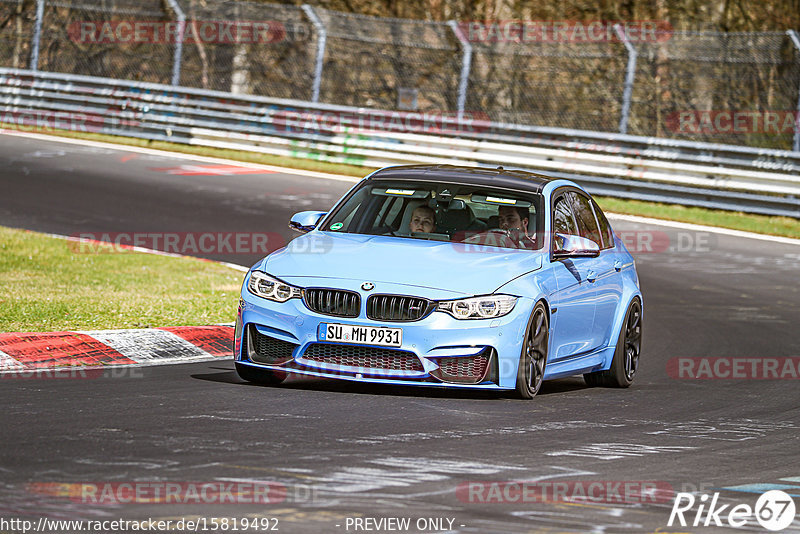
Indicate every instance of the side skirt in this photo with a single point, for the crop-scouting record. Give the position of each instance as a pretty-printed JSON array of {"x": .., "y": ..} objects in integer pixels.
[{"x": 583, "y": 363}]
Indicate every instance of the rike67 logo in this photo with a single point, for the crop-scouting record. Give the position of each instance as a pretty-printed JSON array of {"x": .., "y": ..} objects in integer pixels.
[{"x": 774, "y": 510}]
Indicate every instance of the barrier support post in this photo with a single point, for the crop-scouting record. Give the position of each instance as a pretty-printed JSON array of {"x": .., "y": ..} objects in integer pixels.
[
  {"x": 177, "y": 54},
  {"x": 466, "y": 65},
  {"x": 37, "y": 35},
  {"x": 629, "y": 76},
  {"x": 796, "y": 143},
  {"x": 322, "y": 37}
]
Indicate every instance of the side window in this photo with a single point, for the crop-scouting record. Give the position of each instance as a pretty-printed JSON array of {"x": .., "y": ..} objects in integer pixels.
[
  {"x": 585, "y": 217},
  {"x": 563, "y": 219},
  {"x": 605, "y": 227}
]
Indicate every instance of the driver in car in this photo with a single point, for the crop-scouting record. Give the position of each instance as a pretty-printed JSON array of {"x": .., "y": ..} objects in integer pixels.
[{"x": 514, "y": 220}]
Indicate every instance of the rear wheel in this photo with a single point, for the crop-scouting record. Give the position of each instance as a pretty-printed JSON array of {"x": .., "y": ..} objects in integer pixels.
[
  {"x": 626, "y": 356},
  {"x": 533, "y": 359},
  {"x": 260, "y": 376}
]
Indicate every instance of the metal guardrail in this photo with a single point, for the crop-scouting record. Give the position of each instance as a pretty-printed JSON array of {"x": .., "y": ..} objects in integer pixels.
[{"x": 700, "y": 174}]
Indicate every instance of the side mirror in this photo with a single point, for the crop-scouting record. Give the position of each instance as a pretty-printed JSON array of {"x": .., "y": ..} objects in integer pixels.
[
  {"x": 305, "y": 221},
  {"x": 572, "y": 246}
]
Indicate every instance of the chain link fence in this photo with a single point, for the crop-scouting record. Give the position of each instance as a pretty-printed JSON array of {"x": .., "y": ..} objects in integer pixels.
[
  {"x": 736, "y": 88},
  {"x": 567, "y": 85},
  {"x": 16, "y": 32},
  {"x": 96, "y": 38},
  {"x": 248, "y": 48},
  {"x": 389, "y": 63},
  {"x": 752, "y": 77}
]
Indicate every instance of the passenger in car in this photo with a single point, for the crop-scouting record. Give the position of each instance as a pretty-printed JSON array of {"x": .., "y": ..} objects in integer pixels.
[{"x": 423, "y": 219}]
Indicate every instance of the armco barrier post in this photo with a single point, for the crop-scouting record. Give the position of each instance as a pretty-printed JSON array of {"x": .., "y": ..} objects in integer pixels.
[
  {"x": 629, "y": 74},
  {"x": 321, "y": 38},
  {"x": 37, "y": 34},
  {"x": 178, "y": 52},
  {"x": 796, "y": 144},
  {"x": 466, "y": 64}
]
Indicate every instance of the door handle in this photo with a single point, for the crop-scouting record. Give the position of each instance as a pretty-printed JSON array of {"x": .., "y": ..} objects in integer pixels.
[
  {"x": 618, "y": 266},
  {"x": 591, "y": 276}
]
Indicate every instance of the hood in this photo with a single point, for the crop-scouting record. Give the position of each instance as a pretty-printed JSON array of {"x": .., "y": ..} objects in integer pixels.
[{"x": 454, "y": 267}]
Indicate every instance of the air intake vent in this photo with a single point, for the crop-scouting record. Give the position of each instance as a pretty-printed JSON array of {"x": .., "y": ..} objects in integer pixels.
[
  {"x": 363, "y": 357},
  {"x": 266, "y": 349},
  {"x": 336, "y": 302},
  {"x": 464, "y": 369},
  {"x": 398, "y": 308}
]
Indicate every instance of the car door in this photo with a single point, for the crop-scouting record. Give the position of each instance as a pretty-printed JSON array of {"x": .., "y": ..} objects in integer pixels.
[
  {"x": 573, "y": 304},
  {"x": 607, "y": 281}
]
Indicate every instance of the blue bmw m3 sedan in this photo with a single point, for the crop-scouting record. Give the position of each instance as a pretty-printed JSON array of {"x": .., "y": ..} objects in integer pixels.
[{"x": 437, "y": 275}]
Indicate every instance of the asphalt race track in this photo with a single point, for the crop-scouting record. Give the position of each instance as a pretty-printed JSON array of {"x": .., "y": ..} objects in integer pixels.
[{"x": 338, "y": 451}]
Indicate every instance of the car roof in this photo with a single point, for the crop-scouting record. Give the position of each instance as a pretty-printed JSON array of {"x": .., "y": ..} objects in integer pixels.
[{"x": 496, "y": 177}]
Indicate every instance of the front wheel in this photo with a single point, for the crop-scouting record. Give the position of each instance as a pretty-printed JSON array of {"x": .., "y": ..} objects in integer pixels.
[
  {"x": 533, "y": 359},
  {"x": 259, "y": 376},
  {"x": 626, "y": 356}
]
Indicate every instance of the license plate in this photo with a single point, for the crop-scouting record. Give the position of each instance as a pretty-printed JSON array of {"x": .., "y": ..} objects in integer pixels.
[{"x": 362, "y": 335}]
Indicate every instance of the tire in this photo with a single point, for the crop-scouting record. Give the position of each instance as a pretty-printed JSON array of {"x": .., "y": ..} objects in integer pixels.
[
  {"x": 533, "y": 360},
  {"x": 259, "y": 376},
  {"x": 626, "y": 356}
]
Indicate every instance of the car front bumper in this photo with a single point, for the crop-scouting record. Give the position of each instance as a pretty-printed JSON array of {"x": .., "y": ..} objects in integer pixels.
[{"x": 444, "y": 351}]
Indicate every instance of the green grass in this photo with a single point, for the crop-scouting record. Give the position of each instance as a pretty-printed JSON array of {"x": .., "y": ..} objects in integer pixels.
[
  {"x": 781, "y": 226},
  {"x": 50, "y": 284}
]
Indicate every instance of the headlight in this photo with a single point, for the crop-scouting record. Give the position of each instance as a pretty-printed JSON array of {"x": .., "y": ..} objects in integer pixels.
[
  {"x": 478, "y": 307},
  {"x": 263, "y": 285}
]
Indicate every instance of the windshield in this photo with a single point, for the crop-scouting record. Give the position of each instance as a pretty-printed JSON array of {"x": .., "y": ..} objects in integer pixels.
[{"x": 438, "y": 211}]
